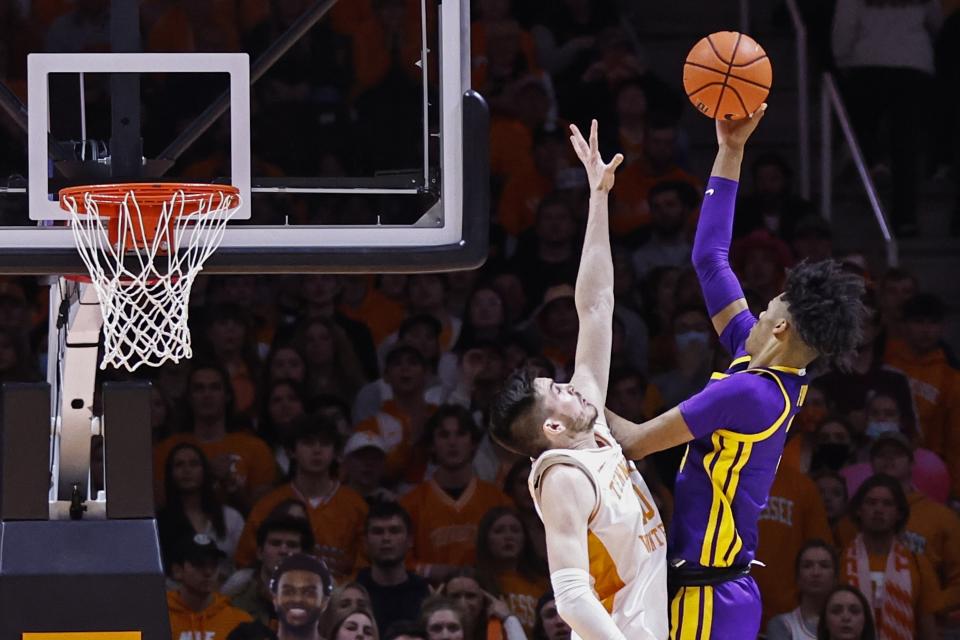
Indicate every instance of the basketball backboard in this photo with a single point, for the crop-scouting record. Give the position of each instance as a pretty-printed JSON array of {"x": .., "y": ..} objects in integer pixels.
[{"x": 363, "y": 172}]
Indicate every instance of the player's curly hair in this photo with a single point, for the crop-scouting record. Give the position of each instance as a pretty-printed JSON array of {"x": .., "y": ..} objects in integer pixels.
[
  {"x": 826, "y": 303},
  {"x": 513, "y": 412}
]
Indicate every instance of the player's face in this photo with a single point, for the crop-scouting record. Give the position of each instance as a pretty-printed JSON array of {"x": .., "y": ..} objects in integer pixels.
[
  {"x": 565, "y": 404},
  {"x": 357, "y": 626},
  {"x": 452, "y": 444},
  {"x": 815, "y": 573},
  {"x": 277, "y": 546},
  {"x": 878, "y": 513},
  {"x": 506, "y": 538},
  {"x": 553, "y": 625},
  {"x": 845, "y": 616},
  {"x": 387, "y": 541},
  {"x": 762, "y": 332},
  {"x": 299, "y": 600},
  {"x": 444, "y": 625},
  {"x": 187, "y": 470}
]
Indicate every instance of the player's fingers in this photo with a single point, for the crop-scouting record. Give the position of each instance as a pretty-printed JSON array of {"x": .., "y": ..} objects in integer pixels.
[
  {"x": 762, "y": 109},
  {"x": 617, "y": 159},
  {"x": 593, "y": 135}
]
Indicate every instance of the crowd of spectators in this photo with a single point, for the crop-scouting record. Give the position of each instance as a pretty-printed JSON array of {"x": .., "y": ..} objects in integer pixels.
[{"x": 344, "y": 417}]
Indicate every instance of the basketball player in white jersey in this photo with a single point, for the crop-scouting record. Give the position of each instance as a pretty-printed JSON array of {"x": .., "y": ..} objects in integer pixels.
[{"x": 606, "y": 543}]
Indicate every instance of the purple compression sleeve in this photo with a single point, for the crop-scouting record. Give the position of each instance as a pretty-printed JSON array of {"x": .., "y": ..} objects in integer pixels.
[{"x": 711, "y": 245}]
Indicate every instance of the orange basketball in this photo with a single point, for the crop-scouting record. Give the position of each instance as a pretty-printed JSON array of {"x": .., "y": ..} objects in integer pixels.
[{"x": 727, "y": 75}]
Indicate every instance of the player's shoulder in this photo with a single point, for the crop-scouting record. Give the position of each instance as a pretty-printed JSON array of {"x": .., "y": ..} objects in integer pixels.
[{"x": 565, "y": 483}]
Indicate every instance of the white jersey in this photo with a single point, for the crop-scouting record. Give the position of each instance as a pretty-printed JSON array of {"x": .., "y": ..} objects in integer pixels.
[{"x": 627, "y": 540}]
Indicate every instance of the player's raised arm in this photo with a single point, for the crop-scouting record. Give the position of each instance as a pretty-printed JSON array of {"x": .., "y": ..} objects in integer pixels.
[
  {"x": 711, "y": 244},
  {"x": 567, "y": 501},
  {"x": 594, "y": 290}
]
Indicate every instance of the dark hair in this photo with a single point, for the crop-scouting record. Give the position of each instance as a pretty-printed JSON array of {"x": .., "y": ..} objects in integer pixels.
[
  {"x": 539, "y": 633},
  {"x": 687, "y": 193},
  {"x": 924, "y": 306},
  {"x": 890, "y": 484},
  {"x": 528, "y": 565},
  {"x": 424, "y": 319},
  {"x": 336, "y": 617},
  {"x": 461, "y": 414},
  {"x": 229, "y": 410},
  {"x": 255, "y": 630},
  {"x": 209, "y": 502},
  {"x": 817, "y": 543},
  {"x": 383, "y": 510},
  {"x": 279, "y": 346},
  {"x": 404, "y": 628},
  {"x": 826, "y": 307},
  {"x": 402, "y": 350},
  {"x": 772, "y": 159},
  {"x": 286, "y": 524},
  {"x": 869, "y": 629},
  {"x": 266, "y": 428},
  {"x": 302, "y": 562},
  {"x": 313, "y": 426},
  {"x": 521, "y": 465},
  {"x": 511, "y": 414}
]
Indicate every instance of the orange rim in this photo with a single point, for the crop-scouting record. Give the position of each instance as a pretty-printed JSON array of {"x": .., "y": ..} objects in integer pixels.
[{"x": 149, "y": 195}]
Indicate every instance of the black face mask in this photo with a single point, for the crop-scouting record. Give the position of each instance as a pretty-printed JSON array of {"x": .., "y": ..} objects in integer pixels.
[{"x": 829, "y": 455}]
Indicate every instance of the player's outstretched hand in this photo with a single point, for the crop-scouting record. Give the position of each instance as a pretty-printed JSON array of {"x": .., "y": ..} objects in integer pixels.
[
  {"x": 734, "y": 133},
  {"x": 600, "y": 174}
]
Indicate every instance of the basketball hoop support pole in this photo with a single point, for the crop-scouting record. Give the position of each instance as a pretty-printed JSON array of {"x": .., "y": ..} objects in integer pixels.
[{"x": 72, "y": 378}]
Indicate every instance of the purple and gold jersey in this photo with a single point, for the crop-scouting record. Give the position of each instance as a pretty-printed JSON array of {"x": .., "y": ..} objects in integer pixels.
[{"x": 739, "y": 423}]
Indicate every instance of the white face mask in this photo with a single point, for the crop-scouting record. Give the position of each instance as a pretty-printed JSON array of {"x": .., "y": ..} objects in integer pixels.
[
  {"x": 688, "y": 338},
  {"x": 876, "y": 428}
]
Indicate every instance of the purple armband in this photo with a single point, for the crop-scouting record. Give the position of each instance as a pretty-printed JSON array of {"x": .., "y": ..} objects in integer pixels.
[{"x": 711, "y": 245}]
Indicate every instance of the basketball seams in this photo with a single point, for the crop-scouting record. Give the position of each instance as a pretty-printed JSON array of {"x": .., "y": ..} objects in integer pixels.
[
  {"x": 705, "y": 67},
  {"x": 706, "y": 86},
  {"x": 717, "y": 53},
  {"x": 740, "y": 98},
  {"x": 749, "y": 81},
  {"x": 750, "y": 62},
  {"x": 716, "y": 109}
]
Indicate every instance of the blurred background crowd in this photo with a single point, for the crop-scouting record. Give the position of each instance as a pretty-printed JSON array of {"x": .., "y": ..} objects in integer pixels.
[{"x": 345, "y": 416}]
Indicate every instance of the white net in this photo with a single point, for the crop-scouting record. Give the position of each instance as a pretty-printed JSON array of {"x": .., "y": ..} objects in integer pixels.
[{"x": 143, "y": 276}]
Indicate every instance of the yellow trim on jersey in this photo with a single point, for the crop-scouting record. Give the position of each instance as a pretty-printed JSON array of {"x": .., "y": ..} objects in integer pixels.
[
  {"x": 691, "y": 613},
  {"x": 803, "y": 395},
  {"x": 716, "y": 375},
  {"x": 603, "y": 570},
  {"x": 707, "y": 613},
  {"x": 723, "y": 466},
  {"x": 675, "y": 613},
  {"x": 739, "y": 360},
  {"x": 793, "y": 370},
  {"x": 683, "y": 461},
  {"x": 763, "y": 435}
]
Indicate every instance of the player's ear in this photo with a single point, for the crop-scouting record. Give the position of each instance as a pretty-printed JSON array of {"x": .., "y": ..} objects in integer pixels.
[{"x": 781, "y": 328}]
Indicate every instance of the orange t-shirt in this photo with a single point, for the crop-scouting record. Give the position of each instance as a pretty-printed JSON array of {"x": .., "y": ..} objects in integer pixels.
[
  {"x": 213, "y": 623},
  {"x": 511, "y": 148},
  {"x": 445, "y": 530},
  {"x": 924, "y": 592},
  {"x": 630, "y": 210},
  {"x": 794, "y": 514},
  {"x": 478, "y": 53},
  {"x": 521, "y": 595},
  {"x": 406, "y": 461},
  {"x": 933, "y": 530},
  {"x": 255, "y": 459},
  {"x": 381, "y": 314},
  {"x": 337, "y": 522},
  {"x": 520, "y": 199}
]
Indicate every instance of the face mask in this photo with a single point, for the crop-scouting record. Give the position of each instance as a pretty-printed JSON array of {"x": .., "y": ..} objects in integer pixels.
[
  {"x": 691, "y": 338},
  {"x": 829, "y": 455},
  {"x": 875, "y": 428}
]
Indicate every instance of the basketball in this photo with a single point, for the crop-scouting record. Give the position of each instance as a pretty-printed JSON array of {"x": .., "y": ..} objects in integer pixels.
[{"x": 727, "y": 75}]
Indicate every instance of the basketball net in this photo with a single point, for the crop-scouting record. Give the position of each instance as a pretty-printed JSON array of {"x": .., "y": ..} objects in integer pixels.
[{"x": 143, "y": 245}]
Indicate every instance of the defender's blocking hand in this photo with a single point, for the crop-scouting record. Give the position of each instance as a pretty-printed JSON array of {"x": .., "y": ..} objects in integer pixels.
[{"x": 600, "y": 174}]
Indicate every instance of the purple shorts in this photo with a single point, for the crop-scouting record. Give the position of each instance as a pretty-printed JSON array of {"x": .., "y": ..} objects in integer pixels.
[{"x": 726, "y": 611}]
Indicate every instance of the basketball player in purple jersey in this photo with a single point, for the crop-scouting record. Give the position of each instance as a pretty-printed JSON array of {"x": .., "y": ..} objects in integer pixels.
[{"x": 736, "y": 427}]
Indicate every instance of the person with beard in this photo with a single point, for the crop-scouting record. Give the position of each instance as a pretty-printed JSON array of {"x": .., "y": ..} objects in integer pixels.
[
  {"x": 672, "y": 204},
  {"x": 336, "y": 512},
  {"x": 899, "y": 585},
  {"x": 301, "y": 587},
  {"x": 395, "y": 593},
  {"x": 446, "y": 508},
  {"x": 277, "y": 538},
  {"x": 196, "y": 609},
  {"x": 606, "y": 542}
]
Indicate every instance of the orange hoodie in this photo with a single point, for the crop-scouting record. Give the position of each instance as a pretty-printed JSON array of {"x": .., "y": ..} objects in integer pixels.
[{"x": 213, "y": 623}]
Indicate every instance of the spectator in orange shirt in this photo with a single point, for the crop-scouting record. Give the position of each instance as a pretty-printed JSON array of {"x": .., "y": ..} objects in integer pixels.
[
  {"x": 899, "y": 585},
  {"x": 400, "y": 420},
  {"x": 336, "y": 512},
  {"x": 933, "y": 377},
  {"x": 933, "y": 530},
  {"x": 447, "y": 508},
  {"x": 361, "y": 301},
  {"x": 816, "y": 567},
  {"x": 485, "y": 616},
  {"x": 364, "y": 463},
  {"x": 242, "y": 464},
  {"x": 196, "y": 609},
  {"x": 523, "y": 191},
  {"x": 507, "y": 565},
  {"x": 631, "y": 209},
  {"x": 794, "y": 514},
  {"x": 516, "y": 488},
  {"x": 301, "y": 589}
]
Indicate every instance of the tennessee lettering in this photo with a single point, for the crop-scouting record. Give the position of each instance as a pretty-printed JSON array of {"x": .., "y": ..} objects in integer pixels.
[{"x": 778, "y": 510}]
